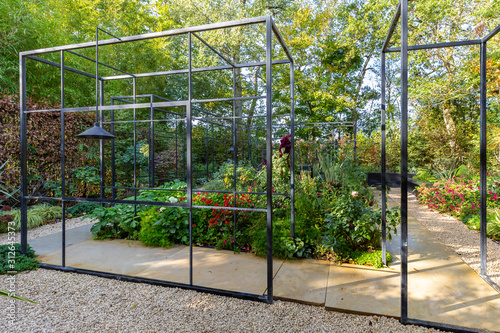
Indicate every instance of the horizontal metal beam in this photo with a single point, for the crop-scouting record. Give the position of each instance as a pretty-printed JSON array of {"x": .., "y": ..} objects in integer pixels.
[
  {"x": 214, "y": 50},
  {"x": 174, "y": 32},
  {"x": 115, "y": 107},
  {"x": 491, "y": 34},
  {"x": 143, "y": 121},
  {"x": 239, "y": 117},
  {"x": 194, "y": 70},
  {"x": 55, "y": 64},
  {"x": 281, "y": 41},
  {"x": 437, "y": 45},
  {"x": 100, "y": 63},
  {"x": 392, "y": 28},
  {"x": 228, "y": 99}
]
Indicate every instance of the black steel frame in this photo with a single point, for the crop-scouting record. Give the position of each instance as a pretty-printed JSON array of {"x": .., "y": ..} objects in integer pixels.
[
  {"x": 270, "y": 32},
  {"x": 402, "y": 15}
]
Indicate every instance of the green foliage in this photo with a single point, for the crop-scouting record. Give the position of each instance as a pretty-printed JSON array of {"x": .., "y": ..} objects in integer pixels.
[
  {"x": 118, "y": 221},
  {"x": 494, "y": 227},
  {"x": 369, "y": 258},
  {"x": 353, "y": 226},
  {"x": 284, "y": 247},
  {"x": 224, "y": 177},
  {"x": 37, "y": 215},
  {"x": 164, "y": 226},
  {"x": 82, "y": 208},
  {"x": 11, "y": 254}
]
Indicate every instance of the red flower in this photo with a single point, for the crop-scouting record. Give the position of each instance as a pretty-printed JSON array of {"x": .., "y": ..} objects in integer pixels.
[{"x": 286, "y": 145}]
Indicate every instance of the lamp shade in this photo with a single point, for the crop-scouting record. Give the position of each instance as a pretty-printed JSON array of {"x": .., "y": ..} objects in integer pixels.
[
  {"x": 96, "y": 132},
  {"x": 231, "y": 149}
]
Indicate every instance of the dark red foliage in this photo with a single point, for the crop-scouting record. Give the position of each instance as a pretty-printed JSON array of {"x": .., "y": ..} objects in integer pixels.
[
  {"x": 286, "y": 145},
  {"x": 6, "y": 208},
  {"x": 44, "y": 140}
]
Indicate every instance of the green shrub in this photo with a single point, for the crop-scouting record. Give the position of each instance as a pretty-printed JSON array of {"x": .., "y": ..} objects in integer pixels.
[
  {"x": 369, "y": 258},
  {"x": 118, "y": 221},
  {"x": 37, "y": 215},
  {"x": 82, "y": 208},
  {"x": 164, "y": 226},
  {"x": 284, "y": 247},
  {"x": 354, "y": 226},
  {"x": 19, "y": 261}
]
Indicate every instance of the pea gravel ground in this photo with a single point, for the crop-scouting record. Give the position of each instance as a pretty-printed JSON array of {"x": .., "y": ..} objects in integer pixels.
[{"x": 82, "y": 303}]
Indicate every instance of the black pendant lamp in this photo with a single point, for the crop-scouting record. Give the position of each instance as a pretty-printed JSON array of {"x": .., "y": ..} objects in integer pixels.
[{"x": 96, "y": 132}]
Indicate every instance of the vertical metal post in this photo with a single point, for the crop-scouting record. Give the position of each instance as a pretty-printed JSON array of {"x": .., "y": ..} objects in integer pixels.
[
  {"x": 189, "y": 175},
  {"x": 134, "y": 96},
  {"x": 269, "y": 157},
  {"x": 235, "y": 155},
  {"x": 383, "y": 162},
  {"x": 63, "y": 171},
  {"x": 207, "y": 159},
  {"x": 101, "y": 141},
  {"x": 404, "y": 161},
  {"x": 292, "y": 149},
  {"x": 482, "y": 158},
  {"x": 113, "y": 171},
  {"x": 176, "y": 150},
  {"x": 24, "y": 182},
  {"x": 152, "y": 145}
]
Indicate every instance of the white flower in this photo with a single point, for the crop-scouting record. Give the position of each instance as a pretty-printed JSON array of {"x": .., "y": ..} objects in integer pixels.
[
  {"x": 162, "y": 209},
  {"x": 172, "y": 199},
  {"x": 355, "y": 193}
]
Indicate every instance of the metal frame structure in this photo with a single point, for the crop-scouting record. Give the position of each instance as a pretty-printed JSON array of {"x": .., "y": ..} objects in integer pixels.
[
  {"x": 270, "y": 32},
  {"x": 402, "y": 15}
]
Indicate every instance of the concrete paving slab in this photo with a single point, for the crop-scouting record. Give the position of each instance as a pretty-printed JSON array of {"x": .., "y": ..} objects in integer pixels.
[
  {"x": 117, "y": 256},
  {"x": 243, "y": 272},
  {"x": 302, "y": 280},
  {"x": 220, "y": 269},
  {"x": 363, "y": 290},
  {"x": 53, "y": 242}
]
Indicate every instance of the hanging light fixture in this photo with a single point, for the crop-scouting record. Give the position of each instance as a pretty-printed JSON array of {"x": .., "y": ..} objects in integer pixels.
[{"x": 96, "y": 132}]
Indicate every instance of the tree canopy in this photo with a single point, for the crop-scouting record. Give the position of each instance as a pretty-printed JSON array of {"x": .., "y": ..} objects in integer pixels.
[{"x": 335, "y": 44}]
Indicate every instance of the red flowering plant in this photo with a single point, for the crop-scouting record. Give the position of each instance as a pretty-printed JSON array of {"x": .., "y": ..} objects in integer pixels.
[
  {"x": 215, "y": 227},
  {"x": 459, "y": 197}
]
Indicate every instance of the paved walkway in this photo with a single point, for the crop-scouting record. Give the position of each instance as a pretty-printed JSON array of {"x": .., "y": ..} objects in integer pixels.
[{"x": 442, "y": 288}]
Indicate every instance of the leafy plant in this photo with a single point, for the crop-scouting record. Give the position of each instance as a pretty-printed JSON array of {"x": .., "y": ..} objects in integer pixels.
[
  {"x": 37, "y": 215},
  {"x": 371, "y": 258},
  {"x": 21, "y": 263},
  {"x": 353, "y": 226},
  {"x": 7, "y": 294},
  {"x": 83, "y": 208},
  {"x": 164, "y": 226},
  {"x": 118, "y": 221}
]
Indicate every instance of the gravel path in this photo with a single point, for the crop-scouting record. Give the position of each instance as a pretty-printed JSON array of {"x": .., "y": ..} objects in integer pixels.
[
  {"x": 48, "y": 229},
  {"x": 83, "y": 303},
  {"x": 454, "y": 234}
]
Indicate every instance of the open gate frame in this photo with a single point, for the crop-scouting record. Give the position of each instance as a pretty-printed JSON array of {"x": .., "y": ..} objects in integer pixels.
[{"x": 402, "y": 15}]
